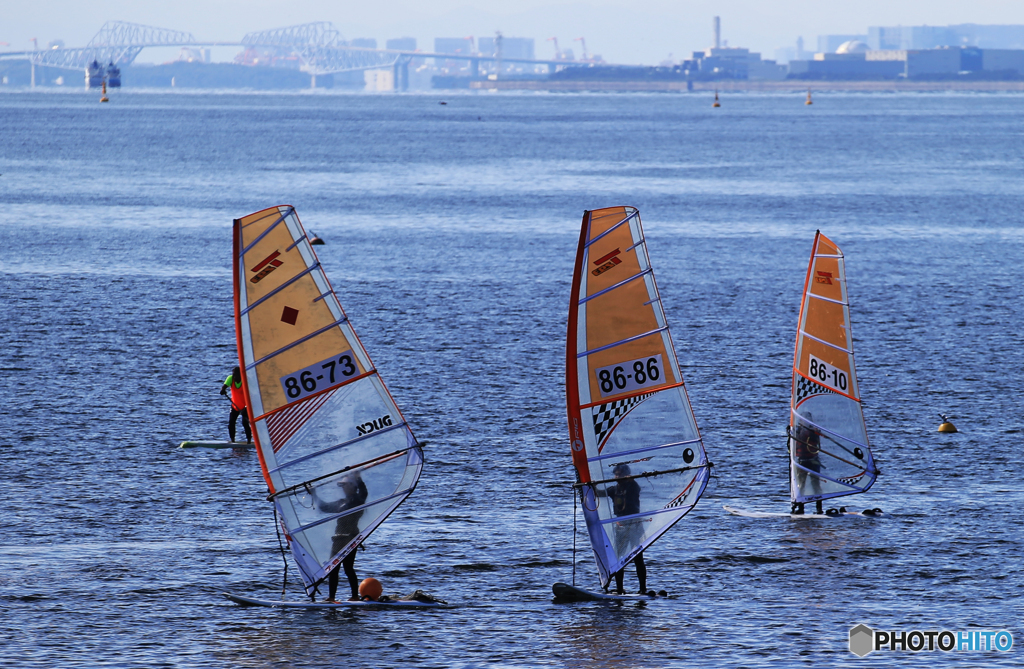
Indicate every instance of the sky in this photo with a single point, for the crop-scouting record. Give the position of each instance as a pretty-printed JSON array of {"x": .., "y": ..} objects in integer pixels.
[{"x": 622, "y": 31}]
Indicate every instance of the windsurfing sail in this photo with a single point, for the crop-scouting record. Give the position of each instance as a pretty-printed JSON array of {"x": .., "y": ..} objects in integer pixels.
[
  {"x": 828, "y": 443},
  {"x": 639, "y": 458},
  {"x": 337, "y": 455}
]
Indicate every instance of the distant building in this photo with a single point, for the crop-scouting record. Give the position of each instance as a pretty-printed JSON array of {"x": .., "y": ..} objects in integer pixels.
[
  {"x": 884, "y": 38},
  {"x": 731, "y": 63},
  {"x": 854, "y": 60},
  {"x": 830, "y": 43},
  {"x": 461, "y": 45},
  {"x": 786, "y": 54},
  {"x": 401, "y": 44},
  {"x": 918, "y": 63},
  {"x": 1002, "y": 60},
  {"x": 511, "y": 47},
  {"x": 364, "y": 42}
]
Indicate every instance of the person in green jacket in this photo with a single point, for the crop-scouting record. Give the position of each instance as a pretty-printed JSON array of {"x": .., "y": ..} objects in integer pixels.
[{"x": 237, "y": 397}]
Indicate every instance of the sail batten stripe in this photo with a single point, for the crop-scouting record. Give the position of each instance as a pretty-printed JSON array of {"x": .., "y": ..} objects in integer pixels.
[
  {"x": 646, "y": 449},
  {"x": 822, "y": 341},
  {"x": 336, "y": 447},
  {"x": 279, "y": 288},
  {"x": 267, "y": 231},
  {"x": 296, "y": 243},
  {"x": 321, "y": 521},
  {"x": 618, "y": 285},
  {"x": 285, "y": 407},
  {"x": 829, "y": 478},
  {"x": 828, "y": 299},
  {"x": 619, "y": 398},
  {"x": 372, "y": 461},
  {"x": 609, "y": 230},
  {"x": 296, "y": 343},
  {"x": 621, "y": 342},
  {"x": 824, "y": 429},
  {"x": 647, "y": 514}
]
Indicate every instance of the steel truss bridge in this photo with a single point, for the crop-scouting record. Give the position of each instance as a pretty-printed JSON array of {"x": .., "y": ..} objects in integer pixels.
[{"x": 319, "y": 47}]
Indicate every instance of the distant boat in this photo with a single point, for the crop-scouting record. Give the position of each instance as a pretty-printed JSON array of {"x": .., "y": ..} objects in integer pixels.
[
  {"x": 94, "y": 75},
  {"x": 113, "y": 75},
  {"x": 630, "y": 423}
]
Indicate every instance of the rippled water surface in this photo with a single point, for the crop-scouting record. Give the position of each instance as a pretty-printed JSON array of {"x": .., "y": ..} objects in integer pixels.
[{"x": 451, "y": 233}]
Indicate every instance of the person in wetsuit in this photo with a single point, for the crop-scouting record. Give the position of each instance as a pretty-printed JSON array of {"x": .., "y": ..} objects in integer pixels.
[
  {"x": 345, "y": 531},
  {"x": 806, "y": 446},
  {"x": 625, "y": 497},
  {"x": 237, "y": 397}
]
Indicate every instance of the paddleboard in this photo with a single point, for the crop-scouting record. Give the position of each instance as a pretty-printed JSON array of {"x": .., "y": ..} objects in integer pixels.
[
  {"x": 796, "y": 516},
  {"x": 216, "y": 444},
  {"x": 280, "y": 604},
  {"x": 570, "y": 593}
]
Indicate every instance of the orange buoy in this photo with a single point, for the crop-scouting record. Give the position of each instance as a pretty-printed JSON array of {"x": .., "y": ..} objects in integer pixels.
[
  {"x": 809, "y": 101},
  {"x": 717, "y": 104},
  {"x": 370, "y": 589},
  {"x": 946, "y": 426}
]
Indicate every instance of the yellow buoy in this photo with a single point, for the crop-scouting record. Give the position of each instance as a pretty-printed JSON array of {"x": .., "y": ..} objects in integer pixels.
[
  {"x": 809, "y": 102},
  {"x": 104, "y": 98},
  {"x": 717, "y": 103},
  {"x": 946, "y": 425}
]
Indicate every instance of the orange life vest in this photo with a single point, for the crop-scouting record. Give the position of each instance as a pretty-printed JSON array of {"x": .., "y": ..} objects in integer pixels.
[{"x": 237, "y": 396}]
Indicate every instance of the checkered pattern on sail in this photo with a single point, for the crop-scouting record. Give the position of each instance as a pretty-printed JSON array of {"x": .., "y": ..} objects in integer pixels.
[
  {"x": 805, "y": 388},
  {"x": 606, "y": 414}
]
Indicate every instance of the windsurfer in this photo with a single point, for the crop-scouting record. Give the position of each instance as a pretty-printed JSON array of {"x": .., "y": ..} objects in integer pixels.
[
  {"x": 625, "y": 496},
  {"x": 237, "y": 397},
  {"x": 345, "y": 531},
  {"x": 806, "y": 446}
]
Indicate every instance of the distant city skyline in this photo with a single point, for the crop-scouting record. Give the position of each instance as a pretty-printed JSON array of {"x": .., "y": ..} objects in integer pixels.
[{"x": 644, "y": 31}]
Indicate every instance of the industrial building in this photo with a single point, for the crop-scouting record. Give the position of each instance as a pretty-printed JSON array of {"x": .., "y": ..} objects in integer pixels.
[
  {"x": 855, "y": 60},
  {"x": 903, "y": 38}
]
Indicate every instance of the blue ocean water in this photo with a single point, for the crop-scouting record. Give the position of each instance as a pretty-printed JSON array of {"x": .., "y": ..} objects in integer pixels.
[{"x": 451, "y": 233}]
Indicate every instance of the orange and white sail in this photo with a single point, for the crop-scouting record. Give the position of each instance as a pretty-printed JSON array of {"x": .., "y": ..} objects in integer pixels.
[
  {"x": 320, "y": 411},
  {"x": 828, "y": 445},
  {"x": 630, "y": 421}
]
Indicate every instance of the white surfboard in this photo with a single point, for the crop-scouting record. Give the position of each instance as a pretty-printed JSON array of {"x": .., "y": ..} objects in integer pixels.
[
  {"x": 216, "y": 444},
  {"x": 797, "y": 516},
  {"x": 281, "y": 604},
  {"x": 569, "y": 593}
]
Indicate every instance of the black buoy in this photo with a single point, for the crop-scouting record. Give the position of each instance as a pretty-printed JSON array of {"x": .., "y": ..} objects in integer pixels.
[
  {"x": 314, "y": 240},
  {"x": 662, "y": 593}
]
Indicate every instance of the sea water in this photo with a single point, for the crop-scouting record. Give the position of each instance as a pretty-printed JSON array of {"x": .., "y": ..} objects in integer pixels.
[{"x": 450, "y": 236}]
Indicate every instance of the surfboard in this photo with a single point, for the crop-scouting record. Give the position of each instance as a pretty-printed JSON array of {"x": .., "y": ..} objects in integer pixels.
[
  {"x": 216, "y": 444},
  {"x": 282, "y": 604},
  {"x": 874, "y": 513},
  {"x": 638, "y": 454},
  {"x": 568, "y": 593}
]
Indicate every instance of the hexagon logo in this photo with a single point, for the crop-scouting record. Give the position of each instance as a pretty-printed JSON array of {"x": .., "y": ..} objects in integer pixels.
[{"x": 862, "y": 640}]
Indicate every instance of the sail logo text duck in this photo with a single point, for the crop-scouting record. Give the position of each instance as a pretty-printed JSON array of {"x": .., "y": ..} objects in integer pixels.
[
  {"x": 268, "y": 265},
  {"x": 376, "y": 424}
]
